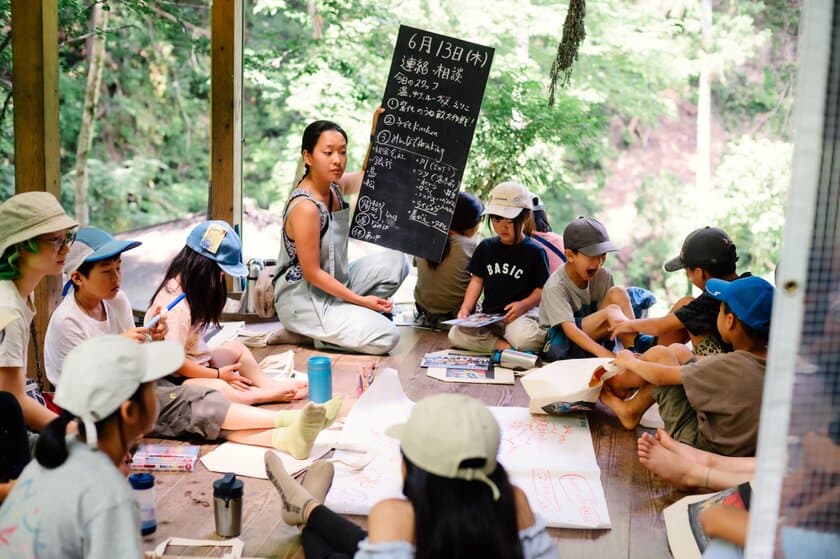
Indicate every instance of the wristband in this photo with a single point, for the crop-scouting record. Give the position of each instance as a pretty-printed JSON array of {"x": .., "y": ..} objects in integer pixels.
[{"x": 218, "y": 372}]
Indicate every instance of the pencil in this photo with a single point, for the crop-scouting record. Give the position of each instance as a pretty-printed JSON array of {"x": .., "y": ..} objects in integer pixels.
[{"x": 169, "y": 307}]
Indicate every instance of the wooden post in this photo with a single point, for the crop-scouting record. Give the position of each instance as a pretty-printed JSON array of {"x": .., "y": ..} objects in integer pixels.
[
  {"x": 226, "y": 113},
  {"x": 35, "y": 95}
]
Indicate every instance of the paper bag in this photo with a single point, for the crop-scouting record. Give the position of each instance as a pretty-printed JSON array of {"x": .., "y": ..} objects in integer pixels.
[{"x": 566, "y": 386}]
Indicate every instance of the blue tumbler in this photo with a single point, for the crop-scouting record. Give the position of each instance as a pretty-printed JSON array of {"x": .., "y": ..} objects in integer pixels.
[{"x": 319, "y": 370}]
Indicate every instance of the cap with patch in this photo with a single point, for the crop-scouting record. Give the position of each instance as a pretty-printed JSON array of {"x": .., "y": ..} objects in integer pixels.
[
  {"x": 709, "y": 248},
  {"x": 31, "y": 214},
  {"x": 588, "y": 236},
  {"x": 101, "y": 373},
  {"x": 93, "y": 245},
  {"x": 444, "y": 430},
  {"x": 508, "y": 200},
  {"x": 218, "y": 241},
  {"x": 750, "y": 298}
]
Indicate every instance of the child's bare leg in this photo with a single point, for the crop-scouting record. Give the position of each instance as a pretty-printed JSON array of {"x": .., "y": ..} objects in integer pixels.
[
  {"x": 248, "y": 417},
  {"x": 705, "y": 458},
  {"x": 250, "y": 396},
  {"x": 253, "y": 437},
  {"x": 629, "y": 412},
  {"x": 617, "y": 295},
  {"x": 275, "y": 391},
  {"x": 623, "y": 382}
]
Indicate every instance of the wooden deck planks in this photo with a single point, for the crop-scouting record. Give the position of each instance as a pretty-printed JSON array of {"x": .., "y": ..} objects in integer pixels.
[{"x": 634, "y": 497}]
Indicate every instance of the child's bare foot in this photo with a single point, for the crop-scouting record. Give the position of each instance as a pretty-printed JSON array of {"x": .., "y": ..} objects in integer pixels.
[
  {"x": 627, "y": 411},
  {"x": 664, "y": 463},
  {"x": 681, "y": 449},
  {"x": 619, "y": 385}
]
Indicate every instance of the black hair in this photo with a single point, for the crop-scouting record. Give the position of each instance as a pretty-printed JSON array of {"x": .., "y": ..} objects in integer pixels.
[
  {"x": 86, "y": 267},
  {"x": 14, "y": 442},
  {"x": 456, "y": 518},
  {"x": 760, "y": 336},
  {"x": 312, "y": 134},
  {"x": 201, "y": 281},
  {"x": 518, "y": 222},
  {"x": 541, "y": 223},
  {"x": 9, "y": 261},
  {"x": 467, "y": 215},
  {"x": 51, "y": 449}
]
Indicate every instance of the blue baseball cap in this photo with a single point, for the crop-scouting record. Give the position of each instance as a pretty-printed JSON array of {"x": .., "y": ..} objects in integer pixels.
[
  {"x": 218, "y": 241},
  {"x": 750, "y": 298},
  {"x": 92, "y": 245}
]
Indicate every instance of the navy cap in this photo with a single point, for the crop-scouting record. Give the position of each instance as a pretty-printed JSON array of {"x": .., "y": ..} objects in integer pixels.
[
  {"x": 218, "y": 241},
  {"x": 93, "y": 245},
  {"x": 750, "y": 298}
]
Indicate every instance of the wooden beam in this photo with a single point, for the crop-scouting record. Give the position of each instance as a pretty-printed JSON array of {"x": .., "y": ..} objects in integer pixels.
[
  {"x": 226, "y": 113},
  {"x": 35, "y": 96}
]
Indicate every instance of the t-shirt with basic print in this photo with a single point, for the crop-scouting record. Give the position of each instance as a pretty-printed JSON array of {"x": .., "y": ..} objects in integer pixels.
[{"x": 510, "y": 272}]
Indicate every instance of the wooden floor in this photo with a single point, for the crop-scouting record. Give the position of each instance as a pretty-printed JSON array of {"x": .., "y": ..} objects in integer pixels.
[{"x": 635, "y": 499}]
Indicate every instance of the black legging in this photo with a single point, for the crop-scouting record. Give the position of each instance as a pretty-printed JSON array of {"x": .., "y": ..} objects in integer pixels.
[
  {"x": 328, "y": 535},
  {"x": 14, "y": 441}
]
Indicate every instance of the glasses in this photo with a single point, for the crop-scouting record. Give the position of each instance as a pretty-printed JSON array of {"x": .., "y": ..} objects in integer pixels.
[{"x": 60, "y": 242}]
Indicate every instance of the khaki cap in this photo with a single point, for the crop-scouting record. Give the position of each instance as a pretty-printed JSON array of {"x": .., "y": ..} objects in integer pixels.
[{"x": 29, "y": 215}]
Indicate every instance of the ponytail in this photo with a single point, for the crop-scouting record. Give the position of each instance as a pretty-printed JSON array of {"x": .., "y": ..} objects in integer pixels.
[{"x": 51, "y": 449}]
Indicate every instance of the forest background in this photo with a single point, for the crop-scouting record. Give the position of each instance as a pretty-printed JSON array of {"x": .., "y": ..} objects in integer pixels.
[{"x": 620, "y": 142}]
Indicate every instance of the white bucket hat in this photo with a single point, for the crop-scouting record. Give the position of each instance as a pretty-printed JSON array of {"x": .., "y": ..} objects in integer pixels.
[
  {"x": 29, "y": 215},
  {"x": 101, "y": 373},
  {"x": 444, "y": 430}
]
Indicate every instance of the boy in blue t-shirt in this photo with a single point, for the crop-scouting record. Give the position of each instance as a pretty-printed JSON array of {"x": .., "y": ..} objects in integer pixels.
[{"x": 580, "y": 304}]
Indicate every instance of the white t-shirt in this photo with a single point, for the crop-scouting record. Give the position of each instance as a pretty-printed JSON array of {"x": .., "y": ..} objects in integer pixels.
[
  {"x": 14, "y": 339},
  {"x": 81, "y": 509},
  {"x": 70, "y": 325}
]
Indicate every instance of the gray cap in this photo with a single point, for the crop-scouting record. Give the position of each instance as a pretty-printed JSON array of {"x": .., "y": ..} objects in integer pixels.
[{"x": 589, "y": 236}]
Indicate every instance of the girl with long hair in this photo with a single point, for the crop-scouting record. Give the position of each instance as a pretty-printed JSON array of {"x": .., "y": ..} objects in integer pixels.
[
  {"x": 213, "y": 248},
  {"x": 107, "y": 388},
  {"x": 317, "y": 293},
  {"x": 459, "y": 500},
  {"x": 441, "y": 285}
]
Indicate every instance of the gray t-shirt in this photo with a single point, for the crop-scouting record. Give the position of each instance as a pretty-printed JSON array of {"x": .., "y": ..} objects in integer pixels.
[
  {"x": 441, "y": 290},
  {"x": 725, "y": 390},
  {"x": 563, "y": 301},
  {"x": 81, "y": 509}
]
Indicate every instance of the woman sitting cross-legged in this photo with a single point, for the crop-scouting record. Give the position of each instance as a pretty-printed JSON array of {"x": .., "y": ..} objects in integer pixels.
[{"x": 460, "y": 502}]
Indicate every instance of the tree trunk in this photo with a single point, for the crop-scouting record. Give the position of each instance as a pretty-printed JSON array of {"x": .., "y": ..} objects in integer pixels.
[
  {"x": 96, "y": 59},
  {"x": 704, "y": 104}
]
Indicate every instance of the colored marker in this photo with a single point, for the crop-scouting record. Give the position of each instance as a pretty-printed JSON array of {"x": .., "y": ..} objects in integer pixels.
[{"x": 169, "y": 307}]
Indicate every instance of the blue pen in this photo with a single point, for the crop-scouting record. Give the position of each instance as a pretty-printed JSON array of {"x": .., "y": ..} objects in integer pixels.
[{"x": 169, "y": 307}]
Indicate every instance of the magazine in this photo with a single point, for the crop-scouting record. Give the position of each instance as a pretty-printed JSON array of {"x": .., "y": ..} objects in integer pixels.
[
  {"x": 476, "y": 320},
  {"x": 174, "y": 458},
  {"x": 682, "y": 519},
  {"x": 453, "y": 360}
]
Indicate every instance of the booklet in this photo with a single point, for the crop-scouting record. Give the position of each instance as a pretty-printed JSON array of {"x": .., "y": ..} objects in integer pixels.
[
  {"x": 173, "y": 458},
  {"x": 454, "y": 360},
  {"x": 682, "y": 519},
  {"x": 476, "y": 320}
]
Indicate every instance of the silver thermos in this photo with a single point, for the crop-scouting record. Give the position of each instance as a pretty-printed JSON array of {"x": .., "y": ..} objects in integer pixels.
[
  {"x": 512, "y": 359},
  {"x": 227, "y": 505},
  {"x": 255, "y": 266}
]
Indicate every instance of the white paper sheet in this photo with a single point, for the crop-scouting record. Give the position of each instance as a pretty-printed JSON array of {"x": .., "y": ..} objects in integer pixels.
[
  {"x": 552, "y": 459},
  {"x": 248, "y": 461}
]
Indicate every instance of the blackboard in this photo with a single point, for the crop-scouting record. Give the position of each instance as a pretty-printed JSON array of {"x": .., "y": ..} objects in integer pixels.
[{"x": 422, "y": 140}]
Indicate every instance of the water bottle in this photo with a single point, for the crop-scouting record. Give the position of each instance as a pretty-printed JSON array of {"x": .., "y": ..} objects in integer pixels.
[
  {"x": 227, "y": 505},
  {"x": 319, "y": 371},
  {"x": 255, "y": 266},
  {"x": 144, "y": 492},
  {"x": 512, "y": 359}
]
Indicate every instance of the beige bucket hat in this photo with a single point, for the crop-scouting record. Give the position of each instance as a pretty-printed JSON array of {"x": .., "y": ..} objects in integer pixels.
[{"x": 30, "y": 214}]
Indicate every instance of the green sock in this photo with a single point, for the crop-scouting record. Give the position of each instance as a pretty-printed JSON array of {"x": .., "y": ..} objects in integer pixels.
[
  {"x": 333, "y": 407},
  {"x": 297, "y": 439},
  {"x": 286, "y": 418},
  {"x": 296, "y": 499}
]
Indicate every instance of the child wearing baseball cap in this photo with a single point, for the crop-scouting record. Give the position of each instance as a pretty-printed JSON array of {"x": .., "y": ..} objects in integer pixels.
[
  {"x": 108, "y": 389},
  {"x": 580, "y": 302},
  {"x": 449, "y": 446},
  {"x": 510, "y": 270},
  {"x": 717, "y": 408},
  {"x": 35, "y": 236},
  {"x": 706, "y": 253}
]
